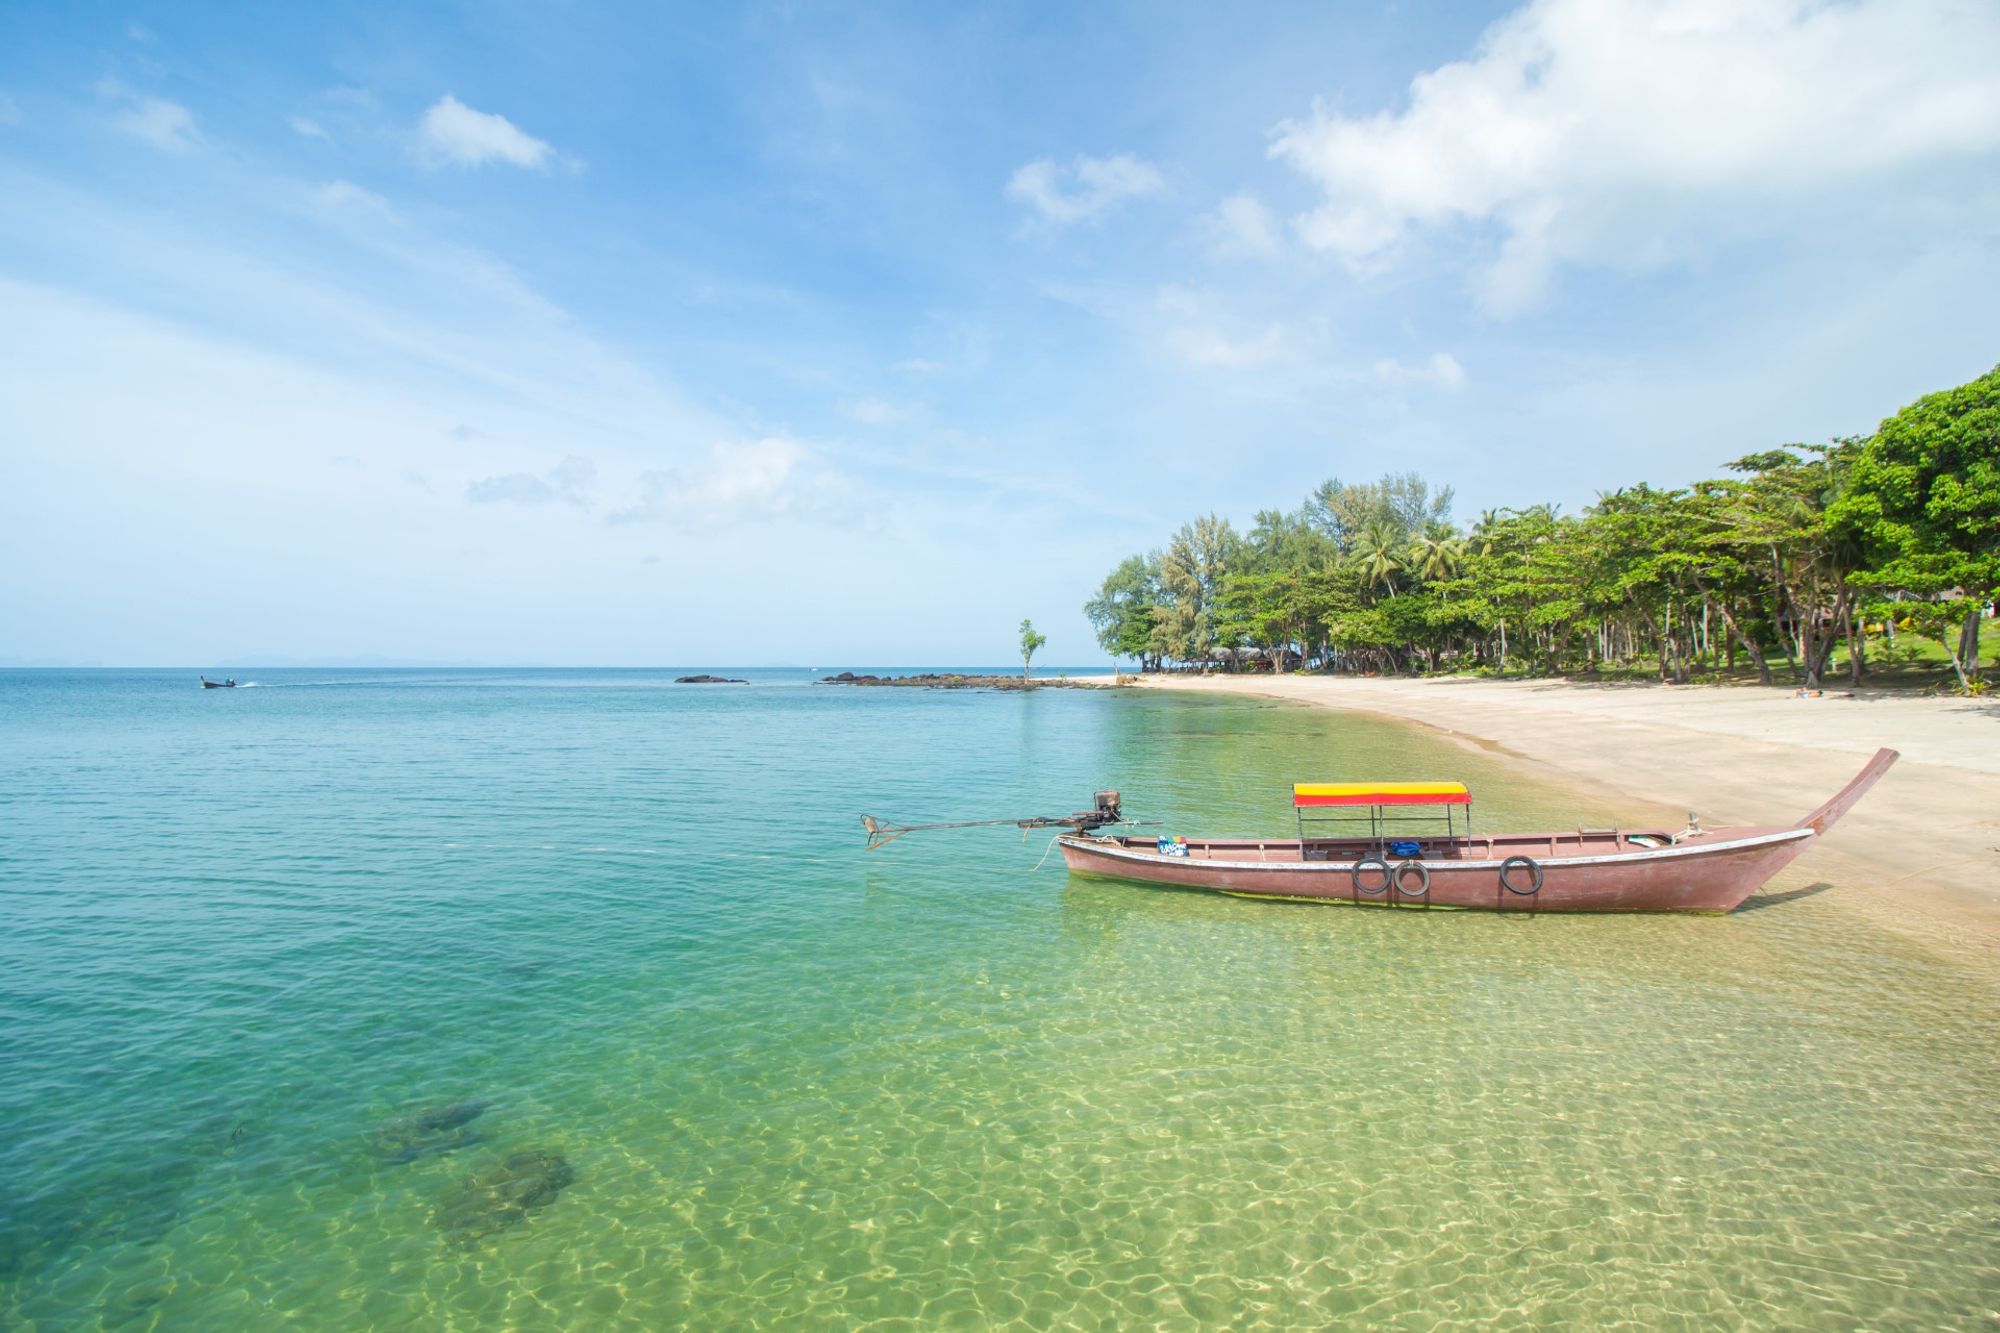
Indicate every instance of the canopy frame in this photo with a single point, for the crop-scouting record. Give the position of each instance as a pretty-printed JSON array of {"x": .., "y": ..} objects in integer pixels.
[{"x": 1344, "y": 809}]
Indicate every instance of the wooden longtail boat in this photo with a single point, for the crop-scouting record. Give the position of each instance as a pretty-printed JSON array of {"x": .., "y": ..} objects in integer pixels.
[{"x": 1588, "y": 870}]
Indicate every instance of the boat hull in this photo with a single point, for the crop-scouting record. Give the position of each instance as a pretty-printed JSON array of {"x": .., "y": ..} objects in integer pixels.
[
  {"x": 1601, "y": 870},
  {"x": 1712, "y": 872}
]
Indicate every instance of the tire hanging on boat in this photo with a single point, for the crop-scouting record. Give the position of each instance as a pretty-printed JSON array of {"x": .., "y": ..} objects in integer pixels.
[
  {"x": 1388, "y": 875},
  {"x": 1423, "y": 879},
  {"x": 1534, "y": 869}
]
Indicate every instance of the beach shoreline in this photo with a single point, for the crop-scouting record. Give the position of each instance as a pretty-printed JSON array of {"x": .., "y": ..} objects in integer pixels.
[{"x": 1922, "y": 851}]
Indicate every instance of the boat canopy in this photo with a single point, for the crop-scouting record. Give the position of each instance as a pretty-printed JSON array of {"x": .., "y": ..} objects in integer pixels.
[{"x": 1305, "y": 794}]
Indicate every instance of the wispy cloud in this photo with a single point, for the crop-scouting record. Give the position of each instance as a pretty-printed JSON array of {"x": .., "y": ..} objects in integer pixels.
[
  {"x": 568, "y": 481},
  {"x": 307, "y": 126},
  {"x": 1206, "y": 335},
  {"x": 452, "y": 133},
  {"x": 1084, "y": 190},
  {"x": 755, "y": 481},
  {"x": 1241, "y": 227},
  {"x": 336, "y": 196},
  {"x": 1610, "y": 131},
  {"x": 10, "y": 111},
  {"x": 1212, "y": 348},
  {"x": 875, "y": 412},
  {"x": 165, "y": 125},
  {"x": 1441, "y": 371}
]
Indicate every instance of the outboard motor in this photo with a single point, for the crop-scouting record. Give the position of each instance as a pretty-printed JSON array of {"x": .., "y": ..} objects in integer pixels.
[{"x": 1104, "y": 810}]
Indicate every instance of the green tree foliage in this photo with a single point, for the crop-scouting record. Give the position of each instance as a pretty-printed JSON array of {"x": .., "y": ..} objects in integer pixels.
[
  {"x": 1197, "y": 559},
  {"x": 1923, "y": 500},
  {"x": 1403, "y": 504},
  {"x": 1777, "y": 560},
  {"x": 1127, "y": 610},
  {"x": 1030, "y": 643}
]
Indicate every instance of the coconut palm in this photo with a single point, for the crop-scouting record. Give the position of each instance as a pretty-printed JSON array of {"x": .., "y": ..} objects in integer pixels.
[
  {"x": 1435, "y": 556},
  {"x": 1376, "y": 550}
]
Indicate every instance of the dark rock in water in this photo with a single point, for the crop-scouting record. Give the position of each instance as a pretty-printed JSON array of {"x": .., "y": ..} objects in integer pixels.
[
  {"x": 707, "y": 680},
  {"x": 433, "y": 1129},
  {"x": 490, "y": 1201}
]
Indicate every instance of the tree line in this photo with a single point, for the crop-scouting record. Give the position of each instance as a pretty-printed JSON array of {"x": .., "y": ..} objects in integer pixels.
[{"x": 1798, "y": 552}]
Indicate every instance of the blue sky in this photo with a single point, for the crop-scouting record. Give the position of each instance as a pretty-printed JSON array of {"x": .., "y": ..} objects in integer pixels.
[{"x": 549, "y": 333}]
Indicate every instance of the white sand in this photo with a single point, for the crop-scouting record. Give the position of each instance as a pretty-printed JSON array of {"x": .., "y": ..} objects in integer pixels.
[{"x": 1923, "y": 847}]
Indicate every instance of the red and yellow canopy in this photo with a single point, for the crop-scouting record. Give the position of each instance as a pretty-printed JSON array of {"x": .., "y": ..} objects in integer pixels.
[{"x": 1380, "y": 793}]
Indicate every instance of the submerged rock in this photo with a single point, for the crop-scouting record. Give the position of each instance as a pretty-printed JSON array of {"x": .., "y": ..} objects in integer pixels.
[
  {"x": 432, "y": 1129},
  {"x": 493, "y": 1200}
]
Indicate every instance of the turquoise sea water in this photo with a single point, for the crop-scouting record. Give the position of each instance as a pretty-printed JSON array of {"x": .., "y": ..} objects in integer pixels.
[{"x": 690, "y": 1057}]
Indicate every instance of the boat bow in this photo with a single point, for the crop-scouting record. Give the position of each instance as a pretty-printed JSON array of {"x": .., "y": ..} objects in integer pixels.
[{"x": 1824, "y": 818}]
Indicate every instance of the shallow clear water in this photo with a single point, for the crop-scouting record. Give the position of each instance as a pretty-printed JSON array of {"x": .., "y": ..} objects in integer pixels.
[{"x": 799, "y": 1084}]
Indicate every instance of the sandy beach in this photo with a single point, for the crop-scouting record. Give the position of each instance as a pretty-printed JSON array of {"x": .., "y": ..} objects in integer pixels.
[{"x": 1922, "y": 851}]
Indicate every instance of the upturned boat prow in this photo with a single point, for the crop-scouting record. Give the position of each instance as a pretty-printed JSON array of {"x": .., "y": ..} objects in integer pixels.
[{"x": 1588, "y": 870}]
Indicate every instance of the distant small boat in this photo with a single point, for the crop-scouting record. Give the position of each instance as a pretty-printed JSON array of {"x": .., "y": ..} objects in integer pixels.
[
  {"x": 1586, "y": 870},
  {"x": 229, "y": 684}
]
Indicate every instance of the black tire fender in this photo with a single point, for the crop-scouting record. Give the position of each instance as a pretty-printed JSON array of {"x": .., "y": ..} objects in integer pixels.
[
  {"x": 1371, "y": 862},
  {"x": 1528, "y": 863},
  {"x": 1423, "y": 878}
]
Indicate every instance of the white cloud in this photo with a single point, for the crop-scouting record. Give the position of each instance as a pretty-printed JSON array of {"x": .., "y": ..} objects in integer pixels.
[
  {"x": 1084, "y": 190},
  {"x": 308, "y": 127},
  {"x": 1610, "y": 131},
  {"x": 168, "y": 126},
  {"x": 10, "y": 111},
  {"x": 568, "y": 481},
  {"x": 755, "y": 481},
  {"x": 920, "y": 365},
  {"x": 452, "y": 132},
  {"x": 1442, "y": 371},
  {"x": 1241, "y": 227}
]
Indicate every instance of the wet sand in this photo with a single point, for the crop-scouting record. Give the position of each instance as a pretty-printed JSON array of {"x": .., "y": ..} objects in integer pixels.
[{"x": 1922, "y": 850}]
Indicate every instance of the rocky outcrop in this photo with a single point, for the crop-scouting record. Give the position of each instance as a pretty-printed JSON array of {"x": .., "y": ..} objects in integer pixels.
[
  {"x": 949, "y": 680},
  {"x": 708, "y": 680}
]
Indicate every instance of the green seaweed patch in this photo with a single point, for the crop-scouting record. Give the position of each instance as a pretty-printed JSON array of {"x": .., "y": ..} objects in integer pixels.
[
  {"x": 491, "y": 1201},
  {"x": 429, "y": 1130}
]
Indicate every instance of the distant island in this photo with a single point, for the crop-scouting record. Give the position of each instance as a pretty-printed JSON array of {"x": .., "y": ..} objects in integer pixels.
[{"x": 708, "y": 680}]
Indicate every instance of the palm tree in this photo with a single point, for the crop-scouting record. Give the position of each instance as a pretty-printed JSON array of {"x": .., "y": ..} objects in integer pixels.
[
  {"x": 1435, "y": 556},
  {"x": 1376, "y": 550}
]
